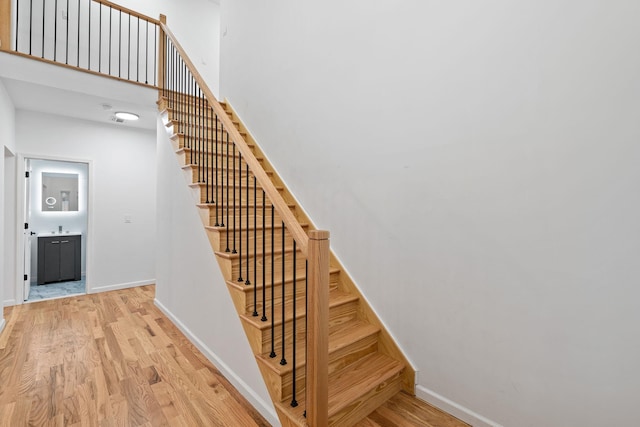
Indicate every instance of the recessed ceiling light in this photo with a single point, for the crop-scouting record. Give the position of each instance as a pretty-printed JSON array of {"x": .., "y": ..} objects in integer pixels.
[{"x": 126, "y": 116}]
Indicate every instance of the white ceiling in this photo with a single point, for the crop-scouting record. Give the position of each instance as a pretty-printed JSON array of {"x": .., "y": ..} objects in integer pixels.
[{"x": 46, "y": 88}]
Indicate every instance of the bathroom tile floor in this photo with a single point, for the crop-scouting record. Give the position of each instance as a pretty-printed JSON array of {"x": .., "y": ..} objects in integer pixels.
[{"x": 57, "y": 290}]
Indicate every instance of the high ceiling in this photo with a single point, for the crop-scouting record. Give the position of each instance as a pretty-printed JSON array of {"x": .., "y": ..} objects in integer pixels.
[{"x": 46, "y": 88}]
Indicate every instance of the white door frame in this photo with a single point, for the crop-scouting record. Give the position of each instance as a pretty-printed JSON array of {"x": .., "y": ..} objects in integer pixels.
[{"x": 20, "y": 204}]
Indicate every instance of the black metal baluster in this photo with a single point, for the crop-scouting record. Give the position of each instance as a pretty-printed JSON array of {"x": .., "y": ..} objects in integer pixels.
[
  {"x": 55, "y": 31},
  {"x": 66, "y": 54},
  {"x": 100, "y": 41},
  {"x": 283, "y": 361},
  {"x": 264, "y": 265},
  {"x": 226, "y": 137},
  {"x": 120, "y": 46},
  {"x": 138, "y": 51},
  {"x": 248, "y": 282},
  {"x": 255, "y": 246},
  {"x": 129, "y": 51},
  {"x": 206, "y": 147},
  {"x": 240, "y": 218},
  {"x": 30, "y": 25},
  {"x": 78, "y": 49},
  {"x": 218, "y": 173},
  {"x": 146, "y": 55},
  {"x": 273, "y": 327},
  {"x": 155, "y": 53},
  {"x": 110, "y": 28},
  {"x": 294, "y": 402},
  {"x": 192, "y": 121},
  {"x": 18, "y": 22},
  {"x": 43, "y": 15},
  {"x": 234, "y": 199},
  {"x": 306, "y": 323},
  {"x": 89, "y": 29}
]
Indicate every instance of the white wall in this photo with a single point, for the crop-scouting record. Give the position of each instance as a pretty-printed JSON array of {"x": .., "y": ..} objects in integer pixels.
[
  {"x": 7, "y": 143},
  {"x": 121, "y": 184},
  {"x": 196, "y": 24},
  {"x": 42, "y": 221},
  {"x": 190, "y": 288},
  {"x": 477, "y": 165}
]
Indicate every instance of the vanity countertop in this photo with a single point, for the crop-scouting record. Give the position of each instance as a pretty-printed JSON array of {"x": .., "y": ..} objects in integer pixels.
[{"x": 64, "y": 233}]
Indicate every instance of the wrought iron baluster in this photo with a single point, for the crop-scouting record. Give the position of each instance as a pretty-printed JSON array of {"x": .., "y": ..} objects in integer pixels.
[
  {"x": 273, "y": 327},
  {"x": 283, "y": 360},
  {"x": 294, "y": 402}
]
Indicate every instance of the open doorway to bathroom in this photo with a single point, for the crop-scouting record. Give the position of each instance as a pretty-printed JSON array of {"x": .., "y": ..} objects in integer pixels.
[{"x": 56, "y": 217}]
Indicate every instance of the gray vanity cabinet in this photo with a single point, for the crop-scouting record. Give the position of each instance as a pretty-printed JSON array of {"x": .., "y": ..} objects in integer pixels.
[{"x": 59, "y": 258}]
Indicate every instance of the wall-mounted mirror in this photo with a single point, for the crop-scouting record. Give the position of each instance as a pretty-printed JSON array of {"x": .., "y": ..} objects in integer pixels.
[{"x": 59, "y": 192}]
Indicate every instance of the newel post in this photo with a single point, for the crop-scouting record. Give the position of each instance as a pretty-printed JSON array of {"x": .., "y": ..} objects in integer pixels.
[
  {"x": 318, "y": 334},
  {"x": 5, "y": 25},
  {"x": 162, "y": 49}
]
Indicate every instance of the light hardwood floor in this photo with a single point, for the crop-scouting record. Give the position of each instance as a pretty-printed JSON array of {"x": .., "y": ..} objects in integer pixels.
[{"x": 113, "y": 359}]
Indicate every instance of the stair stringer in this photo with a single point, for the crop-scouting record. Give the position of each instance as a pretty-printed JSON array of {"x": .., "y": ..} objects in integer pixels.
[{"x": 387, "y": 345}]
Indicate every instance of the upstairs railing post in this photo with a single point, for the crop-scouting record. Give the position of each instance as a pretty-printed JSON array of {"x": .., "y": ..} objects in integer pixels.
[
  {"x": 5, "y": 25},
  {"x": 161, "y": 54},
  {"x": 318, "y": 333}
]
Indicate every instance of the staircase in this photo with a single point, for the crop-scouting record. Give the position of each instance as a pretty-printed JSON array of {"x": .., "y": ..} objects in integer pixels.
[
  {"x": 304, "y": 318},
  {"x": 262, "y": 239}
]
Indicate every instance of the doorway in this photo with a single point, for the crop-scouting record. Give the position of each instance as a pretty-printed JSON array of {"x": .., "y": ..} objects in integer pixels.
[{"x": 56, "y": 219}]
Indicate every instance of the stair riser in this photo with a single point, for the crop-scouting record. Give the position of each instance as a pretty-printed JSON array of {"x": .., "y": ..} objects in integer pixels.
[
  {"x": 181, "y": 141},
  {"x": 243, "y": 298},
  {"x": 197, "y": 174},
  {"x": 255, "y": 237},
  {"x": 367, "y": 403},
  {"x": 231, "y": 268},
  {"x": 337, "y": 360},
  {"x": 202, "y": 196},
  {"x": 261, "y": 339},
  {"x": 178, "y": 100},
  {"x": 204, "y": 129},
  {"x": 208, "y": 215},
  {"x": 196, "y": 118},
  {"x": 224, "y": 162}
]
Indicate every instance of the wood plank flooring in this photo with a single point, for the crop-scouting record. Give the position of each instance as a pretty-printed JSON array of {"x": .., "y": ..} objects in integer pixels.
[
  {"x": 113, "y": 359},
  {"x": 109, "y": 359}
]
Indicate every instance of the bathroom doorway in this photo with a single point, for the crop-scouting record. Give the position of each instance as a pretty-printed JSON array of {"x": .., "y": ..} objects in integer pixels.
[{"x": 56, "y": 219}]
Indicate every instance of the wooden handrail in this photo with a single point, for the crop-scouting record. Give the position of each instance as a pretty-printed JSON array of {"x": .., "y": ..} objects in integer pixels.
[
  {"x": 128, "y": 11},
  {"x": 290, "y": 221}
]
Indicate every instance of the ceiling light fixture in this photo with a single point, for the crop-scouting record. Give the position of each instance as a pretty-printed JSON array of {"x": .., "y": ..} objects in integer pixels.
[{"x": 126, "y": 116}]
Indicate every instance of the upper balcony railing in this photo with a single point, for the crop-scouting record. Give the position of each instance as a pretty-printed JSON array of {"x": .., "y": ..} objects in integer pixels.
[{"x": 94, "y": 35}]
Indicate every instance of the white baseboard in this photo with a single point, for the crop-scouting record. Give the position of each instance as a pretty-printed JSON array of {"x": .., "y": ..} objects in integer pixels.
[
  {"x": 9, "y": 302},
  {"x": 458, "y": 411},
  {"x": 249, "y": 394},
  {"x": 95, "y": 290},
  {"x": 3, "y": 323}
]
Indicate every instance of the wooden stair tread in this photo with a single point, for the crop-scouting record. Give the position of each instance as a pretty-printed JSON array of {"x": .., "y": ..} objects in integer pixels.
[
  {"x": 339, "y": 338},
  {"x": 336, "y": 298}
]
